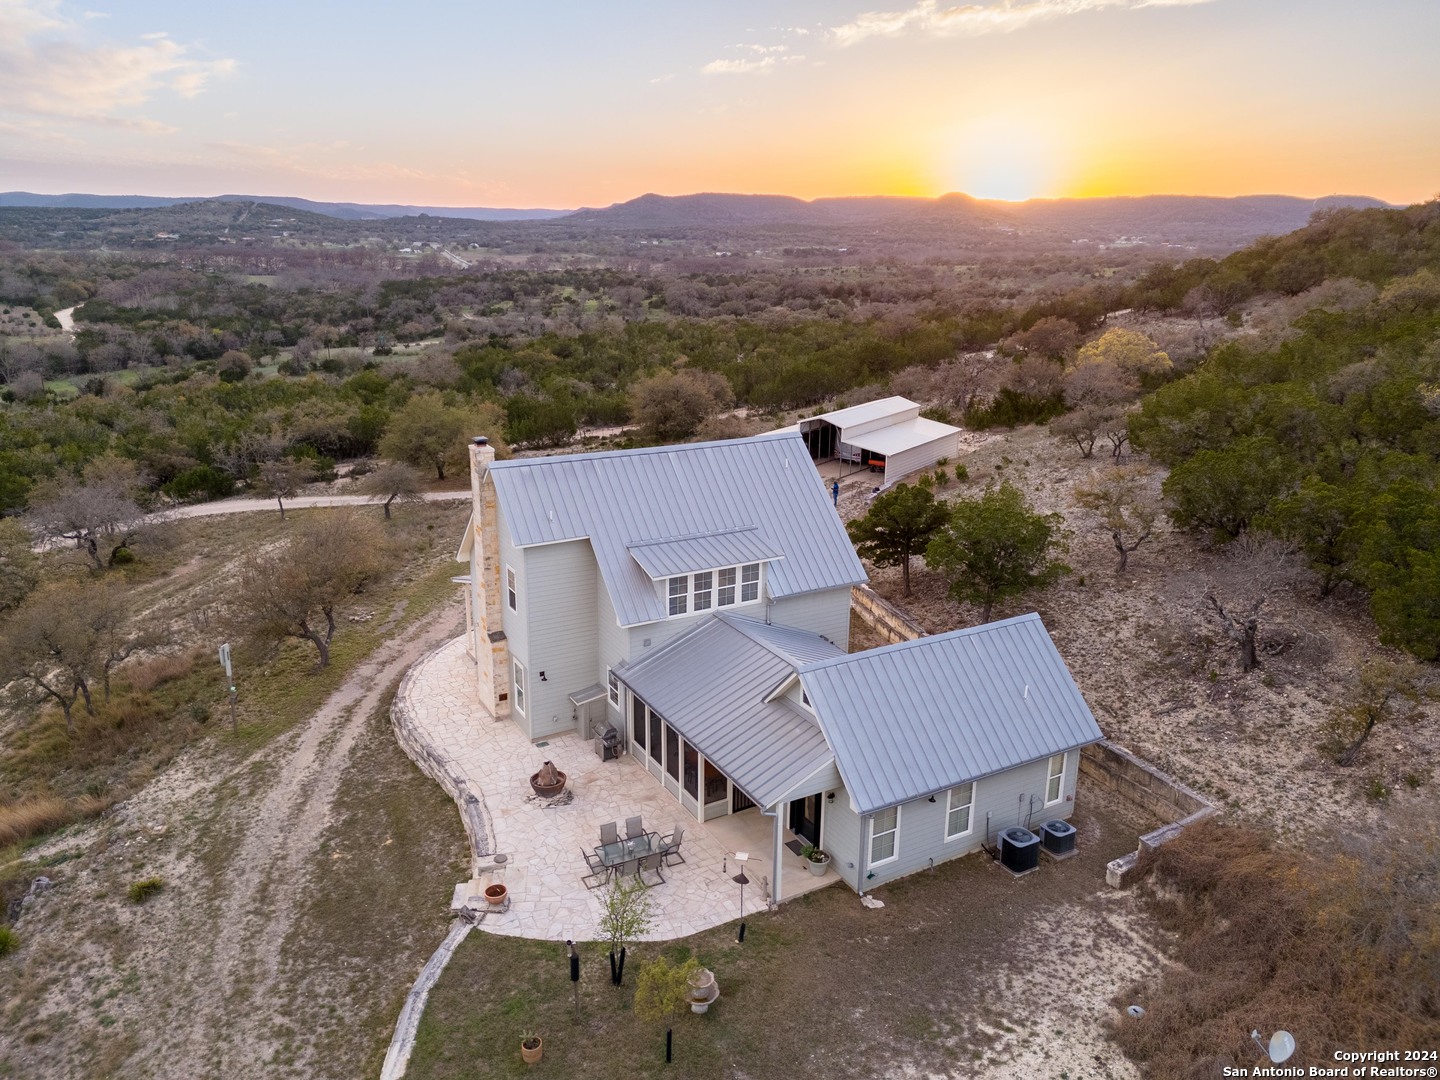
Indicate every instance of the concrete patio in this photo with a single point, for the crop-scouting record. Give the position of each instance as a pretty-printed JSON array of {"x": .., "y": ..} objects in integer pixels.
[{"x": 486, "y": 764}]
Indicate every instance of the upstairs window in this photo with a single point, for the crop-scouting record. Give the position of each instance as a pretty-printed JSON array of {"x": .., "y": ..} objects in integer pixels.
[
  {"x": 726, "y": 591},
  {"x": 679, "y": 595},
  {"x": 704, "y": 590},
  {"x": 512, "y": 594},
  {"x": 749, "y": 583}
]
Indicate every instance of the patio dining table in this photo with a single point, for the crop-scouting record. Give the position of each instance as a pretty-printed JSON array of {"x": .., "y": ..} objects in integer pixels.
[{"x": 623, "y": 851}]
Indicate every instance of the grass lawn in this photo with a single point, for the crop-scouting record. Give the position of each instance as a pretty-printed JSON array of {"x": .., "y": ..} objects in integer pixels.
[{"x": 823, "y": 987}]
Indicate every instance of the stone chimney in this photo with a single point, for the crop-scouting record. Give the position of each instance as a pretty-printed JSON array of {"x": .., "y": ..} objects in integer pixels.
[{"x": 492, "y": 653}]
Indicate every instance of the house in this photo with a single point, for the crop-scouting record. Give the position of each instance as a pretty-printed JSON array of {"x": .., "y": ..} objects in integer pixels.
[
  {"x": 696, "y": 599},
  {"x": 889, "y": 436}
]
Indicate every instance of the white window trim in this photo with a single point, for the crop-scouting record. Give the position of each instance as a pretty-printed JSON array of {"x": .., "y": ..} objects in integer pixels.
[
  {"x": 512, "y": 589},
  {"x": 714, "y": 590},
  {"x": 870, "y": 840},
  {"x": 520, "y": 689},
  {"x": 672, "y": 597},
  {"x": 1060, "y": 790},
  {"x": 612, "y": 687},
  {"x": 950, "y": 807}
]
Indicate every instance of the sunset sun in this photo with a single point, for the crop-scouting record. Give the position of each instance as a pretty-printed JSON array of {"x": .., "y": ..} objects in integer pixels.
[{"x": 1000, "y": 158}]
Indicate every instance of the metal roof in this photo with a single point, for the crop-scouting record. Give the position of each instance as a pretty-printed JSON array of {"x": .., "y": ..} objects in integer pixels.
[
  {"x": 625, "y": 497},
  {"x": 905, "y": 435},
  {"x": 686, "y": 554},
  {"x": 709, "y": 685},
  {"x": 866, "y": 413},
  {"x": 914, "y": 719}
]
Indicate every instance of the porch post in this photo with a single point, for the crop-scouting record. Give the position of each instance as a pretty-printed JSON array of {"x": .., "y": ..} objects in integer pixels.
[{"x": 775, "y": 895}]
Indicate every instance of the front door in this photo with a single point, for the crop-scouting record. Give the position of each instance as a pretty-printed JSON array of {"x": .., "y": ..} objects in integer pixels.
[{"x": 805, "y": 817}]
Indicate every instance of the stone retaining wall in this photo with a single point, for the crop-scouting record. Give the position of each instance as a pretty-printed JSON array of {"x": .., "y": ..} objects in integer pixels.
[
  {"x": 888, "y": 621},
  {"x": 1116, "y": 769}
]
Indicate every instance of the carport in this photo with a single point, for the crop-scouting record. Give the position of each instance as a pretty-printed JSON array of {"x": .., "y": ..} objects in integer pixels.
[{"x": 888, "y": 437}]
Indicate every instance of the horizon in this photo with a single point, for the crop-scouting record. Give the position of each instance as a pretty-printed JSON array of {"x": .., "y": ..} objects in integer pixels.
[
  {"x": 341, "y": 201},
  {"x": 563, "y": 107}
]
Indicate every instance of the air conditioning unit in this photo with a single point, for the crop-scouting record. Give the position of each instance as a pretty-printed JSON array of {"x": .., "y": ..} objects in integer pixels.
[
  {"x": 1059, "y": 838},
  {"x": 1019, "y": 850}
]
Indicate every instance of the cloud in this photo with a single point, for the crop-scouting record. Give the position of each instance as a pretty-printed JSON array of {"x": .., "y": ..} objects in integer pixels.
[
  {"x": 971, "y": 20},
  {"x": 762, "y": 58},
  {"x": 48, "y": 69}
]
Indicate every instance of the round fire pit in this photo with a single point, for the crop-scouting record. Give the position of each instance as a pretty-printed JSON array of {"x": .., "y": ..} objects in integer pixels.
[{"x": 548, "y": 782}]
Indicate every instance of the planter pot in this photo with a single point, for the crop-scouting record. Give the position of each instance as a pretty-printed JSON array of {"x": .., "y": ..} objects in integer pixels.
[
  {"x": 548, "y": 782},
  {"x": 818, "y": 866},
  {"x": 530, "y": 1054},
  {"x": 703, "y": 990},
  {"x": 496, "y": 894}
]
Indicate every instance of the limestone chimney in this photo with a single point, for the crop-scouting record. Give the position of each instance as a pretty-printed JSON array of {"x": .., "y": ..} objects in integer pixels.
[{"x": 481, "y": 455}]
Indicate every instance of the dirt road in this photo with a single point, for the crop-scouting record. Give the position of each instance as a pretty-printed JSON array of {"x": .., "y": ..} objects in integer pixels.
[{"x": 253, "y": 960}]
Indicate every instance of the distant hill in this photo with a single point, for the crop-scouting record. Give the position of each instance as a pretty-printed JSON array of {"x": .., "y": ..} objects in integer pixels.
[
  {"x": 344, "y": 211},
  {"x": 1174, "y": 219}
]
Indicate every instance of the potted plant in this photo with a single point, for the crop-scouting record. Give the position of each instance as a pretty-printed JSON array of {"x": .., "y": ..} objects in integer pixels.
[
  {"x": 815, "y": 860},
  {"x": 532, "y": 1047}
]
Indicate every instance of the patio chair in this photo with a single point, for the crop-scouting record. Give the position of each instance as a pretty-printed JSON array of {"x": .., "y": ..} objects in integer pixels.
[
  {"x": 628, "y": 868},
  {"x": 609, "y": 834},
  {"x": 599, "y": 872},
  {"x": 634, "y": 827},
  {"x": 670, "y": 846},
  {"x": 651, "y": 864}
]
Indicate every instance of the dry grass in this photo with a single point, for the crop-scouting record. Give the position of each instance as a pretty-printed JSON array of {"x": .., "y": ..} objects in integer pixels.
[
  {"x": 1342, "y": 950},
  {"x": 22, "y": 820},
  {"x": 157, "y": 671}
]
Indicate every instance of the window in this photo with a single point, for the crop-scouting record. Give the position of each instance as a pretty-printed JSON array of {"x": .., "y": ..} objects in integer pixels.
[
  {"x": 1057, "y": 779},
  {"x": 612, "y": 686},
  {"x": 519, "y": 670},
  {"x": 884, "y": 834},
  {"x": 726, "y": 595},
  {"x": 679, "y": 594},
  {"x": 637, "y": 721},
  {"x": 749, "y": 583},
  {"x": 692, "y": 771},
  {"x": 512, "y": 594},
  {"x": 704, "y": 590},
  {"x": 957, "y": 813},
  {"x": 672, "y": 752},
  {"x": 656, "y": 724}
]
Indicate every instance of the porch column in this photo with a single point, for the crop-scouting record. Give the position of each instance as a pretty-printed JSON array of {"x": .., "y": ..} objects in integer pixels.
[{"x": 775, "y": 896}]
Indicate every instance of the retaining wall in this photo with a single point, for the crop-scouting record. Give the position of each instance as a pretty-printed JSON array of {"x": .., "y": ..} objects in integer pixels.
[{"x": 889, "y": 622}]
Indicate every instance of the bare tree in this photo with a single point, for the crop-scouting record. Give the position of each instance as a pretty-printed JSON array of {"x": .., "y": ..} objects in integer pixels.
[
  {"x": 297, "y": 591},
  {"x": 1127, "y": 510},
  {"x": 63, "y": 638},
  {"x": 99, "y": 518},
  {"x": 1251, "y": 571},
  {"x": 282, "y": 478},
  {"x": 393, "y": 481},
  {"x": 1377, "y": 696}
]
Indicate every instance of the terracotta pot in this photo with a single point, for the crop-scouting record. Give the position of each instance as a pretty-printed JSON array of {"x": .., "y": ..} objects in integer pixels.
[
  {"x": 496, "y": 894},
  {"x": 531, "y": 1054}
]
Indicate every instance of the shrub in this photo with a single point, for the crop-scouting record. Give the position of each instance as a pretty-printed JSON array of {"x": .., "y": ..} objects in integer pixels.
[
  {"x": 147, "y": 676},
  {"x": 9, "y": 940},
  {"x": 144, "y": 889},
  {"x": 200, "y": 484}
]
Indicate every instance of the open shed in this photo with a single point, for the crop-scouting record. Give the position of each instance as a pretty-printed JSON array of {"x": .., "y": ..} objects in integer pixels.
[{"x": 888, "y": 436}]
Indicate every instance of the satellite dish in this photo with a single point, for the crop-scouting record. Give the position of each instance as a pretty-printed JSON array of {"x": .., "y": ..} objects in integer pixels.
[{"x": 1282, "y": 1045}]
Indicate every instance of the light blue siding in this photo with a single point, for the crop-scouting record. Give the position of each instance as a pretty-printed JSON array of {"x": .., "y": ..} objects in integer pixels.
[
  {"x": 1013, "y": 797},
  {"x": 826, "y": 613},
  {"x": 561, "y": 583},
  {"x": 840, "y": 838}
]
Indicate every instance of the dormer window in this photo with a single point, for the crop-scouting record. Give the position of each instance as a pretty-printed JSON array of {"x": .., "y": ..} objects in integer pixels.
[
  {"x": 679, "y": 594},
  {"x": 707, "y": 590}
]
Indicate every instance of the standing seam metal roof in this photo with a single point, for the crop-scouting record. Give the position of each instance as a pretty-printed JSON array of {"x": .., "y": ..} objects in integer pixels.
[
  {"x": 686, "y": 554},
  {"x": 914, "y": 719},
  {"x": 708, "y": 684},
  {"x": 624, "y": 497}
]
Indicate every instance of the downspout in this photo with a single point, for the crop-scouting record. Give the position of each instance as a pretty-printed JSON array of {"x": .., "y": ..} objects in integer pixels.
[
  {"x": 860, "y": 862},
  {"x": 775, "y": 854}
]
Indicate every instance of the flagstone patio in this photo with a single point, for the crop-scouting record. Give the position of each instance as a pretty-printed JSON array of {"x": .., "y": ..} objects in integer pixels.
[{"x": 486, "y": 765}]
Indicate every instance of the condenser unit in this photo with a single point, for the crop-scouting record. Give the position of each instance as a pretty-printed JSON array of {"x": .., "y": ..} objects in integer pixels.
[
  {"x": 1059, "y": 838},
  {"x": 1019, "y": 850}
]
